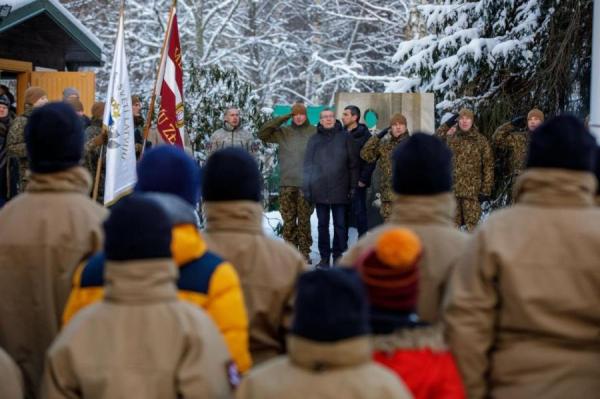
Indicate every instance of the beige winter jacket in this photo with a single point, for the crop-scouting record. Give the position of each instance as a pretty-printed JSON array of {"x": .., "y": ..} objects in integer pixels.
[
  {"x": 267, "y": 269},
  {"x": 11, "y": 381},
  {"x": 140, "y": 341},
  {"x": 523, "y": 319},
  {"x": 342, "y": 369},
  {"x": 44, "y": 233},
  {"x": 432, "y": 219}
]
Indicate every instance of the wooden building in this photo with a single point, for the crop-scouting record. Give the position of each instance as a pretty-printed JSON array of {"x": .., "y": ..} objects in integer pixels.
[{"x": 43, "y": 44}]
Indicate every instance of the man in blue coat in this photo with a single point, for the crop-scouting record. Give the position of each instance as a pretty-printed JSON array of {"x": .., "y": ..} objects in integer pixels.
[{"x": 330, "y": 176}]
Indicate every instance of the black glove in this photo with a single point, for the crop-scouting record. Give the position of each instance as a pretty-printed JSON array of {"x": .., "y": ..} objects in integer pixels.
[
  {"x": 383, "y": 132},
  {"x": 307, "y": 197},
  {"x": 519, "y": 121},
  {"x": 484, "y": 198},
  {"x": 452, "y": 120}
]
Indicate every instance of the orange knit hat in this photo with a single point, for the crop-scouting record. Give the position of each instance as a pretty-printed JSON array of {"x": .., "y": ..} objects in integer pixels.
[
  {"x": 535, "y": 113},
  {"x": 298, "y": 109},
  {"x": 390, "y": 270},
  {"x": 466, "y": 113},
  {"x": 398, "y": 118},
  {"x": 33, "y": 94}
]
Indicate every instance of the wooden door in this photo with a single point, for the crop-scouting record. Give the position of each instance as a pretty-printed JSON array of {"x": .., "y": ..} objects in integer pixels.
[{"x": 55, "y": 82}]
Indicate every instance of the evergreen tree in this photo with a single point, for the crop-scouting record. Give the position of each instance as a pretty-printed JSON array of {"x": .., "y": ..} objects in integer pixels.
[
  {"x": 501, "y": 58},
  {"x": 208, "y": 93}
]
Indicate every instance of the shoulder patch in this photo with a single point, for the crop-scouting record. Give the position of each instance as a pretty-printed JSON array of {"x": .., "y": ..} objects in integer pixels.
[
  {"x": 195, "y": 276},
  {"x": 93, "y": 271}
]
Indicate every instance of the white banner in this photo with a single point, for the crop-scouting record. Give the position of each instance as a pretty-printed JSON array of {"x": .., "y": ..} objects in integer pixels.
[{"x": 118, "y": 119}]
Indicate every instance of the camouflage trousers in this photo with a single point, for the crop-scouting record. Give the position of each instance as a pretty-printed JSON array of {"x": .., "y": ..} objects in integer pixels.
[
  {"x": 386, "y": 210},
  {"x": 296, "y": 211},
  {"x": 468, "y": 212},
  {"x": 23, "y": 176}
]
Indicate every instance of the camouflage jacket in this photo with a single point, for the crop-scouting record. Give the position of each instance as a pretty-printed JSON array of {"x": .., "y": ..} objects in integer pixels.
[
  {"x": 92, "y": 154},
  {"x": 473, "y": 162},
  {"x": 238, "y": 137},
  {"x": 380, "y": 151},
  {"x": 292, "y": 141},
  {"x": 5, "y": 124},
  {"x": 15, "y": 141},
  {"x": 510, "y": 146},
  {"x": 91, "y": 150}
]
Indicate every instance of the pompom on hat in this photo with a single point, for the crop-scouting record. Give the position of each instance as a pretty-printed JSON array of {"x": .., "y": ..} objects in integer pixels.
[{"x": 390, "y": 270}]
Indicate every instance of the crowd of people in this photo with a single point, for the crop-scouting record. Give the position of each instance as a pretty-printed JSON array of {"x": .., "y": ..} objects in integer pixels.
[{"x": 139, "y": 301}]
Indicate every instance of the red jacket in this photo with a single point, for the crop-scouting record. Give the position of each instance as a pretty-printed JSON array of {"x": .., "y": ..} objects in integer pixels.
[{"x": 419, "y": 357}]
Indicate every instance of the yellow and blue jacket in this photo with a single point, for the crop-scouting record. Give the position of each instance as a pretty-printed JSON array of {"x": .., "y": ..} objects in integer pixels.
[{"x": 205, "y": 280}]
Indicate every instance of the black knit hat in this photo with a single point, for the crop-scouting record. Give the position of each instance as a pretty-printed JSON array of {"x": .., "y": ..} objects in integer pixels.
[
  {"x": 562, "y": 142},
  {"x": 138, "y": 227},
  {"x": 5, "y": 101},
  {"x": 331, "y": 305},
  {"x": 54, "y": 138},
  {"x": 231, "y": 174},
  {"x": 422, "y": 165},
  {"x": 168, "y": 169}
]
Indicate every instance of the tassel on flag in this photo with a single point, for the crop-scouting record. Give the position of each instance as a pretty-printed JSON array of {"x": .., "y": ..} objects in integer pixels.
[
  {"x": 170, "y": 79},
  {"x": 118, "y": 120}
]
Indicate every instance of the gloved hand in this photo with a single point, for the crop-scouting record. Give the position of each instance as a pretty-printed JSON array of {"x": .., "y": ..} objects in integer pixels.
[
  {"x": 519, "y": 121},
  {"x": 100, "y": 139},
  {"x": 307, "y": 197},
  {"x": 483, "y": 198},
  {"x": 383, "y": 132},
  {"x": 452, "y": 120}
]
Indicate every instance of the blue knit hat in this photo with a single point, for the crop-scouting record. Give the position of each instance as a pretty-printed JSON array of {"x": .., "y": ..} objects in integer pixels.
[
  {"x": 54, "y": 138},
  {"x": 231, "y": 174},
  {"x": 331, "y": 305},
  {"x": 562, "y": 142},
  {"x": 138, "y": 227},
  {"x": 422, "y": 165},
  {"x": 168, "y": 169}
]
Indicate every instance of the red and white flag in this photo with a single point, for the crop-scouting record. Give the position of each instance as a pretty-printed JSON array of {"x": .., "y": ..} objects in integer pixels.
[{"x": 170, "y": 115}]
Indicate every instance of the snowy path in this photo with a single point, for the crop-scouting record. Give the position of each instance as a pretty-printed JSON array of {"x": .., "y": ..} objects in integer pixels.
[{"x": 272, "y": 219}]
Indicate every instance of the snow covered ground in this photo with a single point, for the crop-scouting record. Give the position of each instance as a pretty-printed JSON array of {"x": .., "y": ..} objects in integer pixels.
[{"x": 272, "y": 219}]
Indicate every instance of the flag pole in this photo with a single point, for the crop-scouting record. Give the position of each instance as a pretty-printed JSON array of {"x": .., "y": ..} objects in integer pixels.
[
  {"x": 98, "y": 170},
  {"x": 153, "y": 98},
  {"x": 104, "y": 130}
]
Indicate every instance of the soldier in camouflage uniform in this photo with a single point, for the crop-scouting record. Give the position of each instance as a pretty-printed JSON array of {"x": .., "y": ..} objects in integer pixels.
[
  {"x": 511, "y": 141},
  {"x": 232, "y": 134},
  {"x": 473, "y": 166},
  {"x": 379, "y": 148},
  {"x": 5, "y": 122},
  {"x": 35, "y": 97},
  {"x": 138, "y": 126},
  {"x": 95, "y": 138},
  {"x": 292, "y": 141}
]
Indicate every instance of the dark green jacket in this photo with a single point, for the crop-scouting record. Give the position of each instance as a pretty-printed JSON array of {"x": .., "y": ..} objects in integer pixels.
[{"x": 292, "y": 142}]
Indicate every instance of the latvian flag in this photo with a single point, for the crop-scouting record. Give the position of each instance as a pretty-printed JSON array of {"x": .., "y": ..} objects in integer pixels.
[{"x": 170, "y": 115}]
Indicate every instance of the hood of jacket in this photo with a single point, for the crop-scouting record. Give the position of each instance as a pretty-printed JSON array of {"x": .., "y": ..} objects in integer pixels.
[
  {"x": 555, "y": 187},
  {"x": 313, "y": 355},
  {"x": 424, "y": 209},
  {"x": 75, "y": 179},
  {"x": 412, "y": 338},
  {"x": 140, "y": 281},
  {"x": 238, "y": 216}
]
